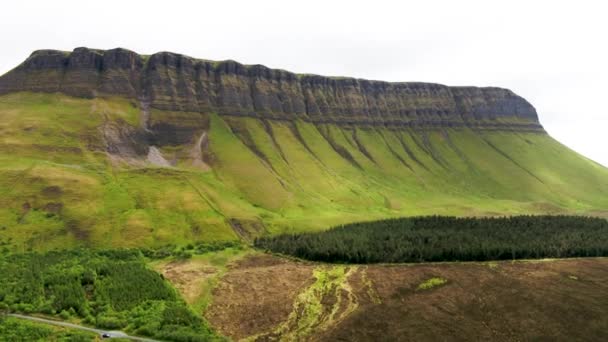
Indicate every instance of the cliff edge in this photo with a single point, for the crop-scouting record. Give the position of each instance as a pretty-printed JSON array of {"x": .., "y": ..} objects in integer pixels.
[{"x": 169, "y": 81}]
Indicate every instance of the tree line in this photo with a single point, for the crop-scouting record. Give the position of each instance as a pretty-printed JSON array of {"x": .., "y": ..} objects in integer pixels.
[{"x": 446, "y": 238}]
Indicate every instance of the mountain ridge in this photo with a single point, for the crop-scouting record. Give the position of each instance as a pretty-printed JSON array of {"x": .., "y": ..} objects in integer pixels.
[
  {"x": 110, "y": 148},
  {"x": 169, "y": 81}
]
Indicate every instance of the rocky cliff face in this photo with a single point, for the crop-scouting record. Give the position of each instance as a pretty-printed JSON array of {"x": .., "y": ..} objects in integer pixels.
[{"x": 174, "y": 82}]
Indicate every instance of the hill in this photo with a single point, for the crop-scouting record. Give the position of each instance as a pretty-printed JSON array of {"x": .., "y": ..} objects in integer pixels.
[{"x": 112, "y": 148}]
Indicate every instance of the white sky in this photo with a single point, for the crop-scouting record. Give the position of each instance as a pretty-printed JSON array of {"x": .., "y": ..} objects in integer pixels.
[{"x": 553, "y": 53}]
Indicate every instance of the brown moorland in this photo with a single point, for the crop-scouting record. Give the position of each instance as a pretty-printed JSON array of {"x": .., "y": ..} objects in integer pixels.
[{"x": 264, "y": 297}]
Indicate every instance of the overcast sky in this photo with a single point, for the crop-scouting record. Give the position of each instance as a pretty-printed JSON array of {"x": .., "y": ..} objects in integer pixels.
[{"x": 553, "y": 53}]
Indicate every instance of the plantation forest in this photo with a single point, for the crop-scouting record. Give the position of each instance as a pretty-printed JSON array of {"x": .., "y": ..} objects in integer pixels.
[
  {"x": 444, "y": 238},
  {"x": 109, "y": 289}
]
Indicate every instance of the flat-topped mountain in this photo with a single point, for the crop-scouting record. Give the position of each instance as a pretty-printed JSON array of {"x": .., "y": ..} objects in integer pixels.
[
  {"x": 170, "y": 81},
  {"x": 112, "y": 148}
]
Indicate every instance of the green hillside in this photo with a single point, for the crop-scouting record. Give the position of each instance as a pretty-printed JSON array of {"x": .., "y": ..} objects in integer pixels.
[{"x": 59, "y": 188}]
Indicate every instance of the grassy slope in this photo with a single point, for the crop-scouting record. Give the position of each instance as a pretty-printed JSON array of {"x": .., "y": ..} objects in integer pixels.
[{"x": 59, "y": 190}]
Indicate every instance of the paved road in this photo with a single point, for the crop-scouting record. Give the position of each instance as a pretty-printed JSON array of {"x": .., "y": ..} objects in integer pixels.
[{"x": 113, "y": 334}]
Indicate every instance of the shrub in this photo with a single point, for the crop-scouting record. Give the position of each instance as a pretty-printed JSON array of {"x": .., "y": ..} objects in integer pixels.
[{"x": 64, "y": 315}]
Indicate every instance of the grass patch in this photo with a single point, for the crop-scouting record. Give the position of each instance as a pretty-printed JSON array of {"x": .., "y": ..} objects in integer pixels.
[
  {"x": 492, "y": 264},
  {"x": 431, "y": 283},
  {"x": 317, "y": 307},
  {"x": 197, "y": 276}
]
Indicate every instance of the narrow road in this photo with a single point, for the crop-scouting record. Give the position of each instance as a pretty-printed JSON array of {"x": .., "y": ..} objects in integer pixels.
[{"x": 112, "y": 334}]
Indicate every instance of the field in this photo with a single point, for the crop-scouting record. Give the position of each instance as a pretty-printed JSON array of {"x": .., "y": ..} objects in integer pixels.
[
  {"x": 70, "y": 176},
  {"x": 263, "y": 297}
]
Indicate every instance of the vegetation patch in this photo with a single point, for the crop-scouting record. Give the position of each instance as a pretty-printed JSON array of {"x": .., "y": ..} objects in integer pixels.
[
  {"x": 191, "y": 249},
  {"x": 371, "y": 292},
  {"x": 492, "y": 264},
  {"x": 14, "y": 329},
  {"x": 442, "y": 238},
  {"x": 110, "y": 289},
  {"x": 431, "y": 283},
  {"x": 197, "y": 276},
  {"x": 320, "y": 305}
]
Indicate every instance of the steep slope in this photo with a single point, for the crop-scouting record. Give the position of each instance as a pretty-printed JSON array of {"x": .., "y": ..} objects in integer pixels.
[
  {"x": 113, "y": 148},
  {"x": 173, "y": 82}
]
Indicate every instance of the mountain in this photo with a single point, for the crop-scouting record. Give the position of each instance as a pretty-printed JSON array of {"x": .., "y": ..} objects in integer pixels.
[
  {"x": 112, "y": 148},
  {"x": 172, "y": 82}
]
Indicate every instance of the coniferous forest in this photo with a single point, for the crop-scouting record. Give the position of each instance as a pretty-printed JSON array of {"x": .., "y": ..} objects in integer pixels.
[
  {"x": 108, "y": 289},
  {"x": 443, "y": 238}
]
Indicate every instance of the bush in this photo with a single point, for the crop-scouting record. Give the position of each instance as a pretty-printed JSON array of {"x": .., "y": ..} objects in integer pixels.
[
  {"x": 111, "y": 322},
  {"x": 89, "y": 319},
  {"x": 183, "y": 255},
  {"x": 64, "y": 315}
]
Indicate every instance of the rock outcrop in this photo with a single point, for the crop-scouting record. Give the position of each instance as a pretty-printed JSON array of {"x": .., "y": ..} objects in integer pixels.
[{"x": 174, "y": 82}]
